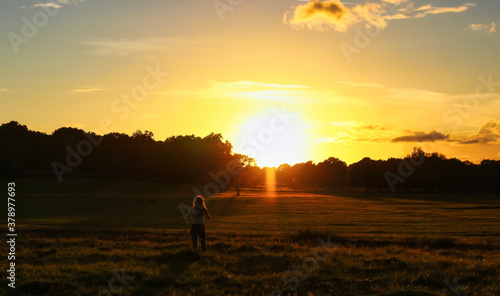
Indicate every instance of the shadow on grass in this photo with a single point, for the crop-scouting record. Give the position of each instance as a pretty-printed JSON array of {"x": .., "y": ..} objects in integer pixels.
[
  {"x": 361, "y": 194},
  {"x": 408, "y": 293},
  {"x": 416, "y": 242},
  {"x": 182, "y": 258},
  {"x": 46, "y": 288}
]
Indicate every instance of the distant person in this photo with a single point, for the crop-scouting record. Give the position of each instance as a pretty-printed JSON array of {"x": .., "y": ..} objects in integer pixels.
[{"x": 198, "y": 213}]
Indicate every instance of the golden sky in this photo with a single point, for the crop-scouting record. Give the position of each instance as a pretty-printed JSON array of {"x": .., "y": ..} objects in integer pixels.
[{"x": 284, "y": 81}]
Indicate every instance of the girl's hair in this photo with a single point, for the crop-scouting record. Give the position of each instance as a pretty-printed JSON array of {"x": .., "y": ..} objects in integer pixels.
[{"x": 199, "y": 200}]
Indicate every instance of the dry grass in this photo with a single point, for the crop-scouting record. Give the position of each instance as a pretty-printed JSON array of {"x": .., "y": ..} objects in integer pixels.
[
  {"x": 74, "y": 236},
  {"x": 61, "y": 261}
]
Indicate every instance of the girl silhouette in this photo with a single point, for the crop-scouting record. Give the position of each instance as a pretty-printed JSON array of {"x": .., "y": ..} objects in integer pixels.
[{"x": 198, "y": 213}]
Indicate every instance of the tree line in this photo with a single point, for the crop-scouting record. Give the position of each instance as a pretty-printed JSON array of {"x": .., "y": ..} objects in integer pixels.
[
  {"x": 71, "y": 151},
  {"x": 417, "y": 172},
  {"x": 193, "y": 160}
]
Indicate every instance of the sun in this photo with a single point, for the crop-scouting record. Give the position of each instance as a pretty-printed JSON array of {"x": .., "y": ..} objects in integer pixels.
[{"x": 273, "y": 137}]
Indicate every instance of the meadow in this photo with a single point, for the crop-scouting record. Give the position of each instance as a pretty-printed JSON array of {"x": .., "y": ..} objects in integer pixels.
[{"x": 105, "y": 237}]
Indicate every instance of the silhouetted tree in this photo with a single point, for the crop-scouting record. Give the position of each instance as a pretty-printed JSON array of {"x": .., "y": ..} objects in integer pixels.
[{"x": 194, "y": 160}]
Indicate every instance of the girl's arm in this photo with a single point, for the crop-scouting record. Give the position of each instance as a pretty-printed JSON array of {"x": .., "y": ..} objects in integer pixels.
[
  {"x": 208, "y": 216},
  {"x": 189, "y": 214}
]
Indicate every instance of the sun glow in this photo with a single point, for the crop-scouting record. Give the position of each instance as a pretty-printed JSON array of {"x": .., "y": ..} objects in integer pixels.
[
  {"x": 273, "y": 137},
  {"x": 270, "y": 181}
]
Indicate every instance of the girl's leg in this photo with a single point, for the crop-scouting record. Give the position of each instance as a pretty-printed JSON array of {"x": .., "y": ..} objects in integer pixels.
[
  {"x": 194, "y": 236},
  {"x": 202, "y": 234}
]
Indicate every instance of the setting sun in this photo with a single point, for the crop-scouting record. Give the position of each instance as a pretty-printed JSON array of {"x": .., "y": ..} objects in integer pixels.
[{"x": 273, "y": 137}]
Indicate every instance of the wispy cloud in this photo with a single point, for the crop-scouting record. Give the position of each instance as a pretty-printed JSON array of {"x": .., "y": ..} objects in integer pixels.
[
  {"x": 70, "y": 1},
  {"x": 53, "y": 5},
  {"x": 246, "y": 83},
  {"x": 4, "y": 90},
  {"x": 246, "y": 89},
  {"x": 488, "y": 28},
  {"x": 339, "y": 138},
  {"x": 355, "y": 131},
  {"x": 355, "y": 125},
  {"x": 348, "y": 124},
  {"x": 128, "y": 46},
  {"x": 372, "y": 127},
  {"x": 87, "y": 90},
  {"x": 361, "y": 84},
  {"x": 425, "y": 10},
  {"x": 258, "y": 90},
  {"x": 412, "y": 93},
  {"x": 334, "y": 15},
  {"x": 404, "y": 95},
  {"x": 124, "y": 47}
]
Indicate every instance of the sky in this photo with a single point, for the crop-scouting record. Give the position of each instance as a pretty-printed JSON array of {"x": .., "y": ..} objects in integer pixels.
[{"x": 283, "y": 81}]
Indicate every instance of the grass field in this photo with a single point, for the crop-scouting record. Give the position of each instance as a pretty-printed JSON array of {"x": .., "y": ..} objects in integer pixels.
[{"x": 72, "y": 237}]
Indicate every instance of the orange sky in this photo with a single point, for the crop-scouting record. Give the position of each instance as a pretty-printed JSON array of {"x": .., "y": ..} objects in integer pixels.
[{"x": 364, "y": 78}]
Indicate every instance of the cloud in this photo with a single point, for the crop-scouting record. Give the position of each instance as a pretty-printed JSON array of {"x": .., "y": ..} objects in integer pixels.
[
  {"x": 356, "y": 131},
  {"x": 372, "y": 127},
  {"x": 53, "y": 5},
  {"x": 361, "y": 84},
  {"x": 404, "y": 96},
  {"x": 87, "y": 90},
  {"x": 4, "y": 90},
  {"x": 339, "y": 138},
  {"x": 489, "y": 133},
  {"x": 401, "y": 93},
  {"x": 332, "y": 8},
  {"x": 346, "y": 138},
  {"x": 413, "y": 93},
  {"x": 358, "y": 125},
  {"x": 488, "y": 28},
  {"x": 395, "y": 1},
  {"x": 425, "y": 10},
  {"x": 348, "y": 124},
  {"x": 246, "y": 84},
  {"x": 422, "y": 137},
  {"x": 333, "y": 14},
  {"x": 251, "y": 90},
  {"x": 124, "y": 47},
  {"x": 70, "y": 1},
  {"x": 257, "y": 90}
]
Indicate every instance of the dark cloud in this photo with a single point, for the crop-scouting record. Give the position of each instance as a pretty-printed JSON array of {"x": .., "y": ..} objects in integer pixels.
[
  {"x": 372, "y": 127},
  {"x": 330, "y": 8},
  {"x": 487, "y": 134},
  {"x": 422, "y": 137},
  {"x": 375, "y": 140},
  {"x": 320, "y": 15}
]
